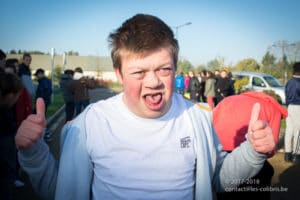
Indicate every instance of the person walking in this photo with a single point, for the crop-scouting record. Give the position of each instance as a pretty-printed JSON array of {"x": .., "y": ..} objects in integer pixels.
[
  {"x": 80, "y": 90},
  {"x": 292, "y": 137},
  {"x": 44, "y": 88},
  {"x": 209, "y": 91},
  {"x": 44, "y": 91},
  {"x": 65, "y": 83}
]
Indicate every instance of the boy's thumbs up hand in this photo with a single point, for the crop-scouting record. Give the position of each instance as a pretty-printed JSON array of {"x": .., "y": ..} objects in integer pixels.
[
  {"x": 32, "y": 128},
  {"x": 260, "y": 134}
]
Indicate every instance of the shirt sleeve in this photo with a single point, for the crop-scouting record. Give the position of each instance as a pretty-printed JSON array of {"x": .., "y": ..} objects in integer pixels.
[
  {"x": 41, "y": 168},
  {"x": 74, "y": 180}
]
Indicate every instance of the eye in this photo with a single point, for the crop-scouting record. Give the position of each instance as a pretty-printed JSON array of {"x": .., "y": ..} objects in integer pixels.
[
  {"x": 165, "y": 71},
  {"x": 138, "y": 74}
]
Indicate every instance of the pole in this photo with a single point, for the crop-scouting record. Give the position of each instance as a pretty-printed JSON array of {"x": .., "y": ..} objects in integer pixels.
[
  {"x": 64, "y": 61},
  {"x": 179, "y": 26}
]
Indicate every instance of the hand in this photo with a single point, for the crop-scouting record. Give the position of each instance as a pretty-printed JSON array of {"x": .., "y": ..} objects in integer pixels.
[
  {"x": 32, "y": 128},
  {"x": 260, "y": 134}
]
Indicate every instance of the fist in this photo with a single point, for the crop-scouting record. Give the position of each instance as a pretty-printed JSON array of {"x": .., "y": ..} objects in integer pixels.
[
  {"x": 32, "y": 128},
  {"x": 260, "y": 134}
]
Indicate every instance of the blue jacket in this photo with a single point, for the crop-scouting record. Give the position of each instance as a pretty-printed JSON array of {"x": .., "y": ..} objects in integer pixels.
[
  {"x": 292, "y": 91},
  {"x": 72, "y": 177},
  {"x": 179, "y": 82},
  {"x": 44, "y": 90}
]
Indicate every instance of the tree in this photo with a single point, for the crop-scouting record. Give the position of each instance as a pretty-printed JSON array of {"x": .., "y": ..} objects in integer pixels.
[
  {"x": 215, "y": 64},
  {"x": 184, "y": 66},
  {"x": 248, "y": 64},
  {"x": 268, "y": 59},
  {"x": 200, "y": 68},
  {"x": 268, "y": 63},
  {"x": 72, "y": 53},
  {"x": 13, "y": 51}
]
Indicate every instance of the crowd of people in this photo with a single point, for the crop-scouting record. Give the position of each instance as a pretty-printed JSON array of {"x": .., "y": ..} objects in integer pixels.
[
  {"x": 147, "y": 142},
  {"x": 216, "y": 86}
]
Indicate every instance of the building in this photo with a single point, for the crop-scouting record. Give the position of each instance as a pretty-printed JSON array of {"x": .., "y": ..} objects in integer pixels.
[{"x": 100, "y": 67}]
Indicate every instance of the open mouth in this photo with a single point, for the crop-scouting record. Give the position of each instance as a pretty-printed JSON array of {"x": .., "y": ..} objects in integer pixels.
[{"x": 154, "y": 101}]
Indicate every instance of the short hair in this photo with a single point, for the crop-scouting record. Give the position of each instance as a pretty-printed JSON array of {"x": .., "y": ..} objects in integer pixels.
[
  {"x": 26, "y": 55},
  {"x": 9, "y": 83},
  {"x": 11, "y": 61},
  {"x": 141, "y": 34},
  {"x": 296, "y": 68},
  {"x": 78, "y": 69},
  {"x": 12, "y": 66},
  {"x": 210, "y": 74},
  {"x": 69, "y": 72}
]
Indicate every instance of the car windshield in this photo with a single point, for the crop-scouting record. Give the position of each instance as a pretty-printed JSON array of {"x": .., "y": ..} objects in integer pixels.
[{"x": 273, "y": 82}]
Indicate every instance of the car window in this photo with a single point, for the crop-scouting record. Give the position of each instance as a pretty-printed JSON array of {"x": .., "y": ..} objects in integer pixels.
[
  {"x": 258, "y": 82},
  {"x": 273, "y": 82}
]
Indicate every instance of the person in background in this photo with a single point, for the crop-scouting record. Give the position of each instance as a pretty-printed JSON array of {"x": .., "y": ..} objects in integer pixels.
[
  {"x": 186, "y": 81},
  {"x": 179, "y": 83},
  {"x": 146, "y": 142},
  {"x": 44, "y": 91},
  {"x": 230, "y": 119},
  {"x": 194, "y": 87},
  {"x": 292, "y": 135},
  {"x": 80, "y": 90},
  {"x": 10, "y": 87},
  {"x": 209, "y": 91},
  {"x": 22, "y": 108},
  {"x": 203, "y": 78},
  {"x": 223, "y": 86},
  {"x": 44, "y": 88},
  {"x": 65, "y": 83},
  {"x": 13, "y": 62},
  {"x": 25, "y": 75},
  {"x": 23, "y": 105}
]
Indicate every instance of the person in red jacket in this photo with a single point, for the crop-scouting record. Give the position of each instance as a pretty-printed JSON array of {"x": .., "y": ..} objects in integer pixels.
[{"x": 231, "y": 119}]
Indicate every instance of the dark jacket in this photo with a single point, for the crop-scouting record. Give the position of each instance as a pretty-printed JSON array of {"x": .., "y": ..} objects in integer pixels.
[
  {"x": 66, "y": 87},
  {"x": 44, "y": 90},
  {"x": 8, "y": 129},
  {"x": 194, "y": 85},
  {"x": 223, "y": 87},
  {"x": 292, "y": 91}
]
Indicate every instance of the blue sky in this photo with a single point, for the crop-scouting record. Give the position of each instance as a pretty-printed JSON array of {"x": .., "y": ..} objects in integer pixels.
[{"x": 228, "y": 29}]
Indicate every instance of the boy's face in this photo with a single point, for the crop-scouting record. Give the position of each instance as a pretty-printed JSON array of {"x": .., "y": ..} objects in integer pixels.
[
  {"x": 27, "y": 60},
  {"x": 147, "y": 82}
]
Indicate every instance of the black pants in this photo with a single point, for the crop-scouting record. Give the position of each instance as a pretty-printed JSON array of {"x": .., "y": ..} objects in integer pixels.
[
  {"x": 69, "y": 109},
  {"x": 260, "y": 183}
]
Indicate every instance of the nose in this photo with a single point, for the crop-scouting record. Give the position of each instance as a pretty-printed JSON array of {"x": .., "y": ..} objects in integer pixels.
[{"x": 152, "y": 80}]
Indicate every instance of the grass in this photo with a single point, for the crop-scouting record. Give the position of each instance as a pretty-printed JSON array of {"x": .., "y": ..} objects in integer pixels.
[{"x": 57, "y": 102}]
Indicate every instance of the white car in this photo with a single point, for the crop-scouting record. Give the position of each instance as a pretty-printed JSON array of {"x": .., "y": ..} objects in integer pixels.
[{"x": 260, "y": 82}]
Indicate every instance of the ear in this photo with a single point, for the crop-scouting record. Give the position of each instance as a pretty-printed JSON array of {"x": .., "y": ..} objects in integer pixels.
[{"x": 119, "y": 75}]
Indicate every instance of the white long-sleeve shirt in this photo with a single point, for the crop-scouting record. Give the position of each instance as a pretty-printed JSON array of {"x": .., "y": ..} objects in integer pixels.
[{"x": 109, "y": 153}]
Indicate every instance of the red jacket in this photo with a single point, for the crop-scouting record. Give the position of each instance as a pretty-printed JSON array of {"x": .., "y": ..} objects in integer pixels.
[
  {"x": 23, "y": 106},
  {"x": 232, "y": 115}
]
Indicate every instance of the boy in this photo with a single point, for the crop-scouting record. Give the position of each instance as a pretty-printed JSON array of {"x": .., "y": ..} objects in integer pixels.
[{"x": 145, "y": 143}]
